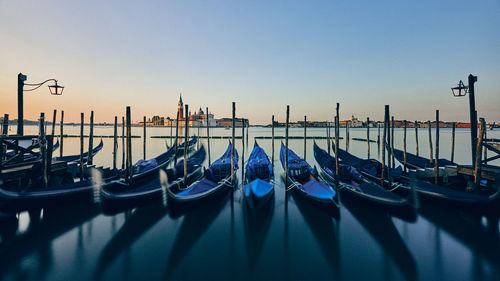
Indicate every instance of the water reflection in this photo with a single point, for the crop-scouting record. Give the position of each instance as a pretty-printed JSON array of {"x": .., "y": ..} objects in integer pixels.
[
  {"x": 8, "y": 228},
  {"x": 136, "y": 224},
  {"x": 44, "y": 226},
  {"x": 292, "y": 240},
  {"x": 286, "y": 239},
  {"x": 325, "y": 231},
  {"x": 383, "y": 230},
  {"x": 194, "y": 224},
  {"x": 467, "y": 228},
  {"x": 257, "y": 222}
]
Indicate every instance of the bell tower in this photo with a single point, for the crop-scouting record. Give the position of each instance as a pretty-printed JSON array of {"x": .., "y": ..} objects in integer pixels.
[{"x": 180, "y": 108}]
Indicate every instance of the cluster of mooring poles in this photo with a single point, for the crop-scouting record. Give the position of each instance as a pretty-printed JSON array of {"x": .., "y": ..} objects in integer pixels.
[{"x": 479, "y": 142}]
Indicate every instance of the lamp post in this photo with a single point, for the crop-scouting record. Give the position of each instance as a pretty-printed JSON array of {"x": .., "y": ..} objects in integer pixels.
[
  {"x": 460, "y": 91},
  {"x": 54, "y": 90}
]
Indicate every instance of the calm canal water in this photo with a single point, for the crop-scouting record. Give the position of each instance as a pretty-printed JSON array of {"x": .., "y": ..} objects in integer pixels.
[{"x": 290, "y": 240}]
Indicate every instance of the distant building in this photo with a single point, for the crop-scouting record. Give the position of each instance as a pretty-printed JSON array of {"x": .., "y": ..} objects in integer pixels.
[
  {"x": 201, "y": 118},
  {"x": 158, "y": 121},
  {"x": 228, "y": 122},
  {"x": 354, "y": 122}
]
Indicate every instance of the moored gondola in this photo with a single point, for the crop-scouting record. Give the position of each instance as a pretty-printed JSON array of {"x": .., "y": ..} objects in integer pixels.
[
  {"x": 354, "y": 186},
  {"x": 259, "y": 173},
  {"x": 18, "y": 200},
  {"x": 303, "y": 179},
  {"x": 117, "y": 195},
  {"x": 83, "y": 190},
  {"x": 402, "y": 183},
  {"x": 215, "y": 181},
  {"x": 73, "y": 158},
  {"x": 30, "y": 157},
  {"x": 416, "y": 162}
]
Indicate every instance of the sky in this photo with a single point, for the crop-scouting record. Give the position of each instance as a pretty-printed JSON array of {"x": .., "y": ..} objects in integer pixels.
[{"x": 263, "y": 55}]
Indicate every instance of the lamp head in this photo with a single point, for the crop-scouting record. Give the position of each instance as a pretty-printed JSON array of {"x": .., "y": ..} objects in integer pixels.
[{"x": 461, "y": 90}]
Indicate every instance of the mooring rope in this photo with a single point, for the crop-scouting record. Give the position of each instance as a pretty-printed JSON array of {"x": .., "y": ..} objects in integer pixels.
[{"x": 395, "y": 187}]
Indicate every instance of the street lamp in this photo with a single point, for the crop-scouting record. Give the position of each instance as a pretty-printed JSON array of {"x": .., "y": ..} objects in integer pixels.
[
  {"x": 460, "y": 91},
  {"x": 55, "y": 89}
]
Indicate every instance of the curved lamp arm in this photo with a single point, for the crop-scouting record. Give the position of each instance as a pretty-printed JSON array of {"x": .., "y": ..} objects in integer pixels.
[{"x": 38, "y": 85}]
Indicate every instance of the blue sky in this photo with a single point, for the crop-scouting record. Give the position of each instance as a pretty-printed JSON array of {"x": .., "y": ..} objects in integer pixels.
[{"x": 261, "y": 54}]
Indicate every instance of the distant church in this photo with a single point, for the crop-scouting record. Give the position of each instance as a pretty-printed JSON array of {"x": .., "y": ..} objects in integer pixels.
[{"x": 199, "y": 118}]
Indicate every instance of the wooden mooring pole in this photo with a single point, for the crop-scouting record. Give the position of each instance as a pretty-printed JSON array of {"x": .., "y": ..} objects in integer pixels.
[
  {"x": 42, "y": 142},
  {"x": 123, "y": 143},
  {"x": 5, "y": 124},
  {"x": 177, "y": 119},
  {"x": 430, "y": 141},
  {"x": 144, "y": 139},
  {"x": 337, "y": 131},
  {"x": 61, "y": 135},
  {"x": 286, "y": 144},
  {"x": 198, "y": 142},
  {"x": 115, "y": 141},
  {"x": 404, "y": 145},
  {"x": 129, "y": 146},
  {"x": 384, "y": 137},
  {"x": 485, "y": 149},
  {"x": 54, "y": 123},
  {"x": 305, "y": 136},
  {"x": 242, "y": 151},
  {"x": 272, "y": 139},
  {"x": 453, "y": 141},
  {"x": 208, "y": 138},
  {"x": 347, "y": 135},
  {"x": 81, "y": 145},
  {"x": 477, "y": 162},
  {"x": 393, "y": 160},
  {"x": 328, "y": 136},
  {"x": 91, "y": 139},
  {"x": 388, "y": 142},
  {"x": 368, "y": 137},
  {"x": 378, "y": 134},
  {"x": 186, "y": 133},
  {"x": 329, "y": 125},
  {"x": 171, "y": 132},
  {"x": 436, "y": 166},
  {"x": 416, "y": 138},
  {"x": 232, "y": 142}
]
